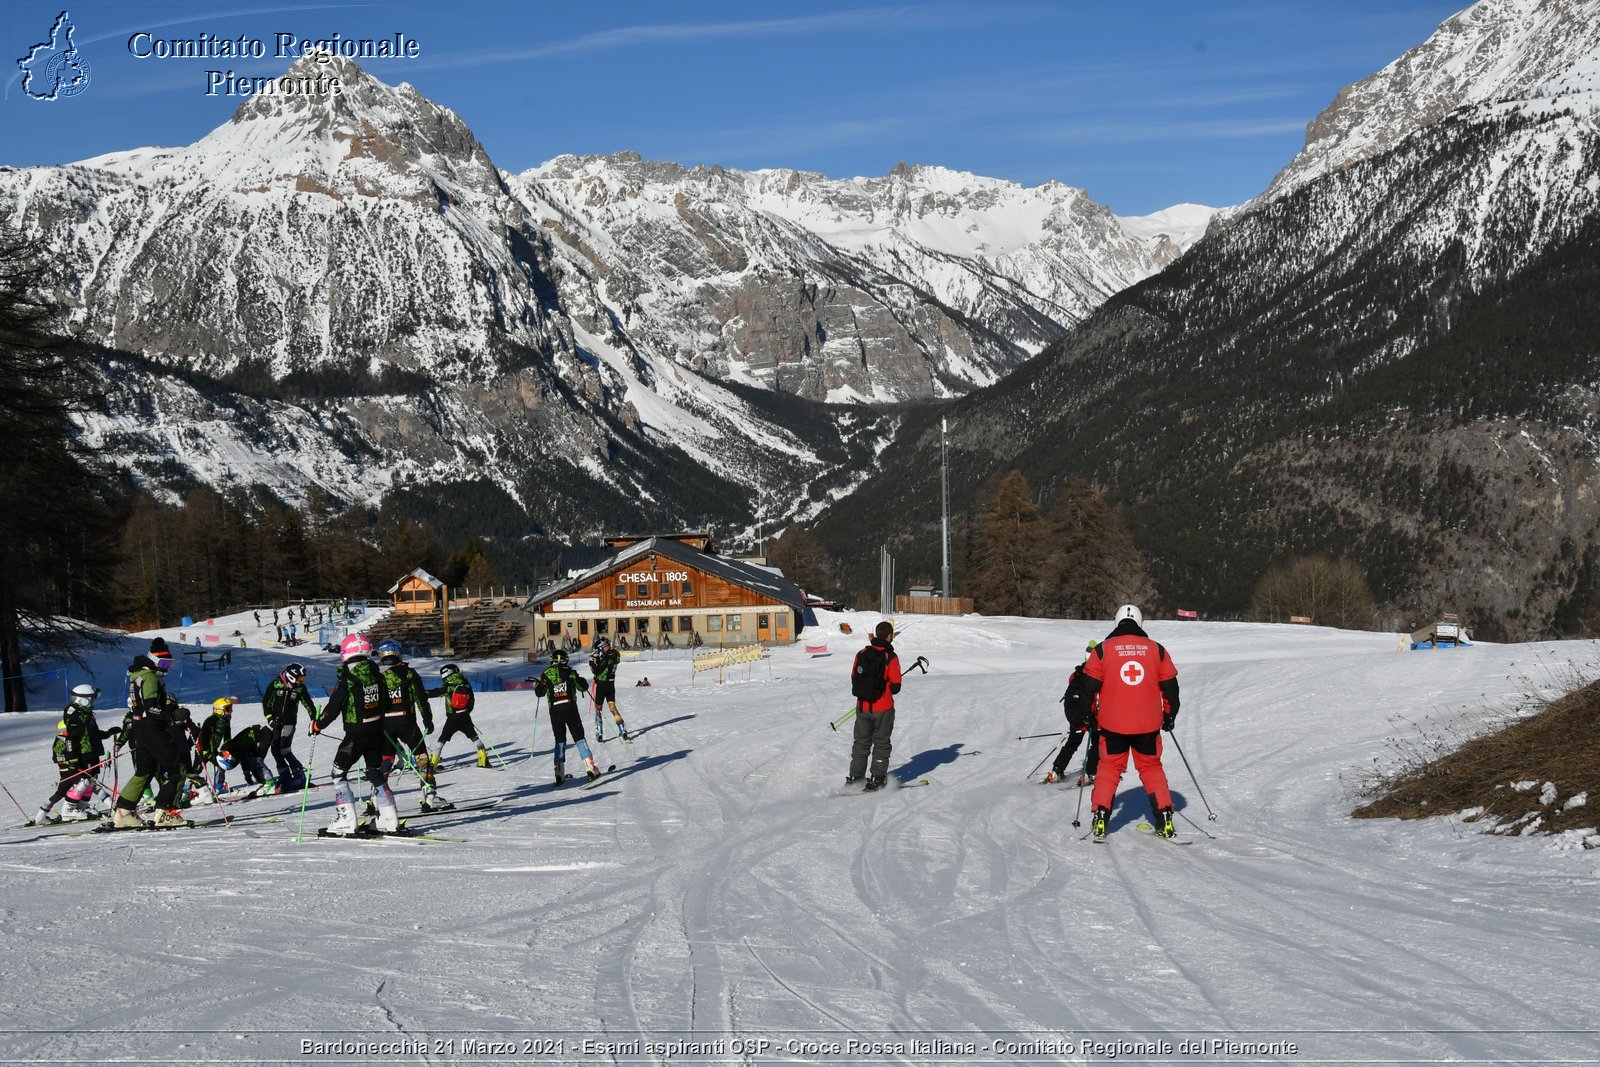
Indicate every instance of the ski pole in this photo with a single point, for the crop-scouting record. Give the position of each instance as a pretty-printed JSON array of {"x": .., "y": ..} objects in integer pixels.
[
  {"x": 498, "y": 758},
  {"x": 25, "y": 816},
  {"x": 841, "y": 720},
  {"x": 405, "y": 756},
  {"x": 1036, "y": 766},
  {"x": 305, "y": 790},
  {"x": 1079, "y": 809},
  {"x": 1211, "y": 816},
  {"x": 1030, "y": 737}
]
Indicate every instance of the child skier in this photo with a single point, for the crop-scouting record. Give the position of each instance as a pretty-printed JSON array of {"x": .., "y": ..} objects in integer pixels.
[
  {"x": 78, "y": 750},
  {"x": 248, "y": 749},
  {"x": 560, "y": 684},
  {"x": 285, "y": 696},
  {"x": 215, "y": 734},
  {"x": 459, "y": 700},
  {"x": 359, "y": 700},
  {"x": 1081, "y": 723},
  {"x": 408, "y": 699},
  {"x": 603, "y": 665}
]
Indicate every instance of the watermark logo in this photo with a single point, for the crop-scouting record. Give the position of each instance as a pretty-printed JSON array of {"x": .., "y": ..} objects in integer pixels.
[{"x": 54, "y": 69}]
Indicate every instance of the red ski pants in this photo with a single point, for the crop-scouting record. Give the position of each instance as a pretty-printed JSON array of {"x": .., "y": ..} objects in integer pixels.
[{"x": 1114, "y": 749}]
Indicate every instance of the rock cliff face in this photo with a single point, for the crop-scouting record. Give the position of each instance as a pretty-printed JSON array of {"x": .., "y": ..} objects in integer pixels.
[
  {"x": 1508, "y": 52},
  {"x": 923, "y": 283}
]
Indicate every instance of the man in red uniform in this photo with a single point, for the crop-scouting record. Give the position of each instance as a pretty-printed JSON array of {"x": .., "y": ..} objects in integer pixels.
[{"x": 1138, "y": 687}]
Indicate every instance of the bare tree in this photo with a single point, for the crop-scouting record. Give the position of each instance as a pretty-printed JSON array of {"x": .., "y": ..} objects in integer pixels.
[{"x": 1331, "y": 592}]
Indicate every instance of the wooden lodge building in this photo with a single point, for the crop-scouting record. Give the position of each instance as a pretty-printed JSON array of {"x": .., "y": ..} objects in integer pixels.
[
  {"x": 416, "y": 593},
  {"x": 664, "y": 591}
]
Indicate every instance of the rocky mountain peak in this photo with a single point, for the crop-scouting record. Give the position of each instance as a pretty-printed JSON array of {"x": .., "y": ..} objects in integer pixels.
[
  {"x": 1496, "y": 52},
  {"x": 327, "y": 125}
]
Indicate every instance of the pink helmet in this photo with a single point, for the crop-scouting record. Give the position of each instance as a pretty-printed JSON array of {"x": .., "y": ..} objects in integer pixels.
[{"x": 355, "y": 645}]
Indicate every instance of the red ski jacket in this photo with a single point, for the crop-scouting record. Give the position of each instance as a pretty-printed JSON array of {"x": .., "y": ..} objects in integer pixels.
[
  {"x": 891, "y": 676},
  {"x": 1131, "y": 669}
]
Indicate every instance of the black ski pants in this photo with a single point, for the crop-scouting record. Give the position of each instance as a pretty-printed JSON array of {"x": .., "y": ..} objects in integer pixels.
[
  {"x": 459, "y": 722},
  {"x": 155, "y": 756},
  {"x": 364, "y": 741}
]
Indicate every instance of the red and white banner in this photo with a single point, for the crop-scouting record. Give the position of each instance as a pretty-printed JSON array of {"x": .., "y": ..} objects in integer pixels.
[{"x": 1182, "y": 614}]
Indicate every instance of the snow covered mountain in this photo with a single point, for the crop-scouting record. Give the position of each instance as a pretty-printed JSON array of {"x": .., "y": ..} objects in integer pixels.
[
  {"x": 925, "y": 282},
  {"x": 1518, "y": 53},
  {"x": 342, "y": 290},
  {"x": 1392, "y": 360}
]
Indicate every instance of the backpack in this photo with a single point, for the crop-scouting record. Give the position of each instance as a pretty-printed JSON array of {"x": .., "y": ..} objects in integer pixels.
[{"x": 868, "y": 677}]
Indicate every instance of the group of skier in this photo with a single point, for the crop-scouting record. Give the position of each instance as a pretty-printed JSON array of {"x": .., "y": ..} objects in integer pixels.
[{"x": 1121, "y": 697}]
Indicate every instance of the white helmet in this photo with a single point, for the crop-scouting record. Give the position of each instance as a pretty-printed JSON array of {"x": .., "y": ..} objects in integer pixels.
[
  {"x": 84, "y": 695},
  {"x": 1129, "y": 611}
]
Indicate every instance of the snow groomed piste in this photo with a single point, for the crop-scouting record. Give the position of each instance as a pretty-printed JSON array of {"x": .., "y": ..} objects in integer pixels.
[{"x": 714, "y": 890}]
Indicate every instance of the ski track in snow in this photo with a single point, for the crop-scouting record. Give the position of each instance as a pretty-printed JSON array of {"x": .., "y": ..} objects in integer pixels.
[{"x": 718, "y": 884}]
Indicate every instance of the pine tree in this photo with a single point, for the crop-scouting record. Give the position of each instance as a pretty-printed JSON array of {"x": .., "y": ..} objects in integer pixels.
[
  {"x": 54, "y": 528},
  {"x": 1092, "y": 564},
  {"x": 1008, "y": 541}
]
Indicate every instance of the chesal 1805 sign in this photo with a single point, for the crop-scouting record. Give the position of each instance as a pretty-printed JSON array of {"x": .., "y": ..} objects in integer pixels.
[{"x": 650, "y": 577}]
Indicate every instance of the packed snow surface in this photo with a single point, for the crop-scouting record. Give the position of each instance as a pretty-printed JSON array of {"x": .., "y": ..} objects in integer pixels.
[{"x": 720, "y": 890}]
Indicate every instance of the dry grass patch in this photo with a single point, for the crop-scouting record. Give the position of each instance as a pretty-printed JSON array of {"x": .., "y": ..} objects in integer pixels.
[{"x": 1541, "y": 774}]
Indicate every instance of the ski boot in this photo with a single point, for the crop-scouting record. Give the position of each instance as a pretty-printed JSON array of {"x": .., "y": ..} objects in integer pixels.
[
  {"x": 1055, "y": 775},
  {"x": 45, "y": 817},
  {"x": 1164, "y": 824},
  {"x": 76, "y": 811},
  {"x": 599, "y": 733},
  {"x": 388, "y": 820},
  {"x": 1086, "y": 779},
  {"x": 852, "y": 779},
  {"x": 1100, "y": 823},
  {"x": 433, "y": 760},
  {"x": 591, "y": 768},
  {"x": 432, "y": 801},
  {"x": 126, "y": 819},
  {"x": 876, "y": 782},
  {"x": 483, "y": 757},
  {"x": 165, "y": 818},
  {"x": 344, "y": 812},
  {"x": 561, "y": 773}
]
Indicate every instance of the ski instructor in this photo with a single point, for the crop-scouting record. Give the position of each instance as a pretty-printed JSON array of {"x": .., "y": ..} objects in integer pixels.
[{"x": 1137, "y": 683}]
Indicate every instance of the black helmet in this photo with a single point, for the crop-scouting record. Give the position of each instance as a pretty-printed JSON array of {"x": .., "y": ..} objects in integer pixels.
[
  {"x": 448, "y": 669},
  {"x": 293, "y": 674},
  {"x": 558, "y": 655}
]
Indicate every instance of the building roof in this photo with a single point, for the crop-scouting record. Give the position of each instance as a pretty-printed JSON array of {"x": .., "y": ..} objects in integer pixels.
[
  {"x": 418, "y": 572},
  {"x": 765, "y": 580},
  {"x": 578, "y": 558}
]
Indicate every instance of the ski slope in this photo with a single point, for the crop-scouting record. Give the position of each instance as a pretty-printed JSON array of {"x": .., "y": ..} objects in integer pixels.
[{"x": 720, "y": 891}]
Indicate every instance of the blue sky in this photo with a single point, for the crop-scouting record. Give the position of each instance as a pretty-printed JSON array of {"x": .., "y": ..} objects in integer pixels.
[{"x": 1144, "y": 104}]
